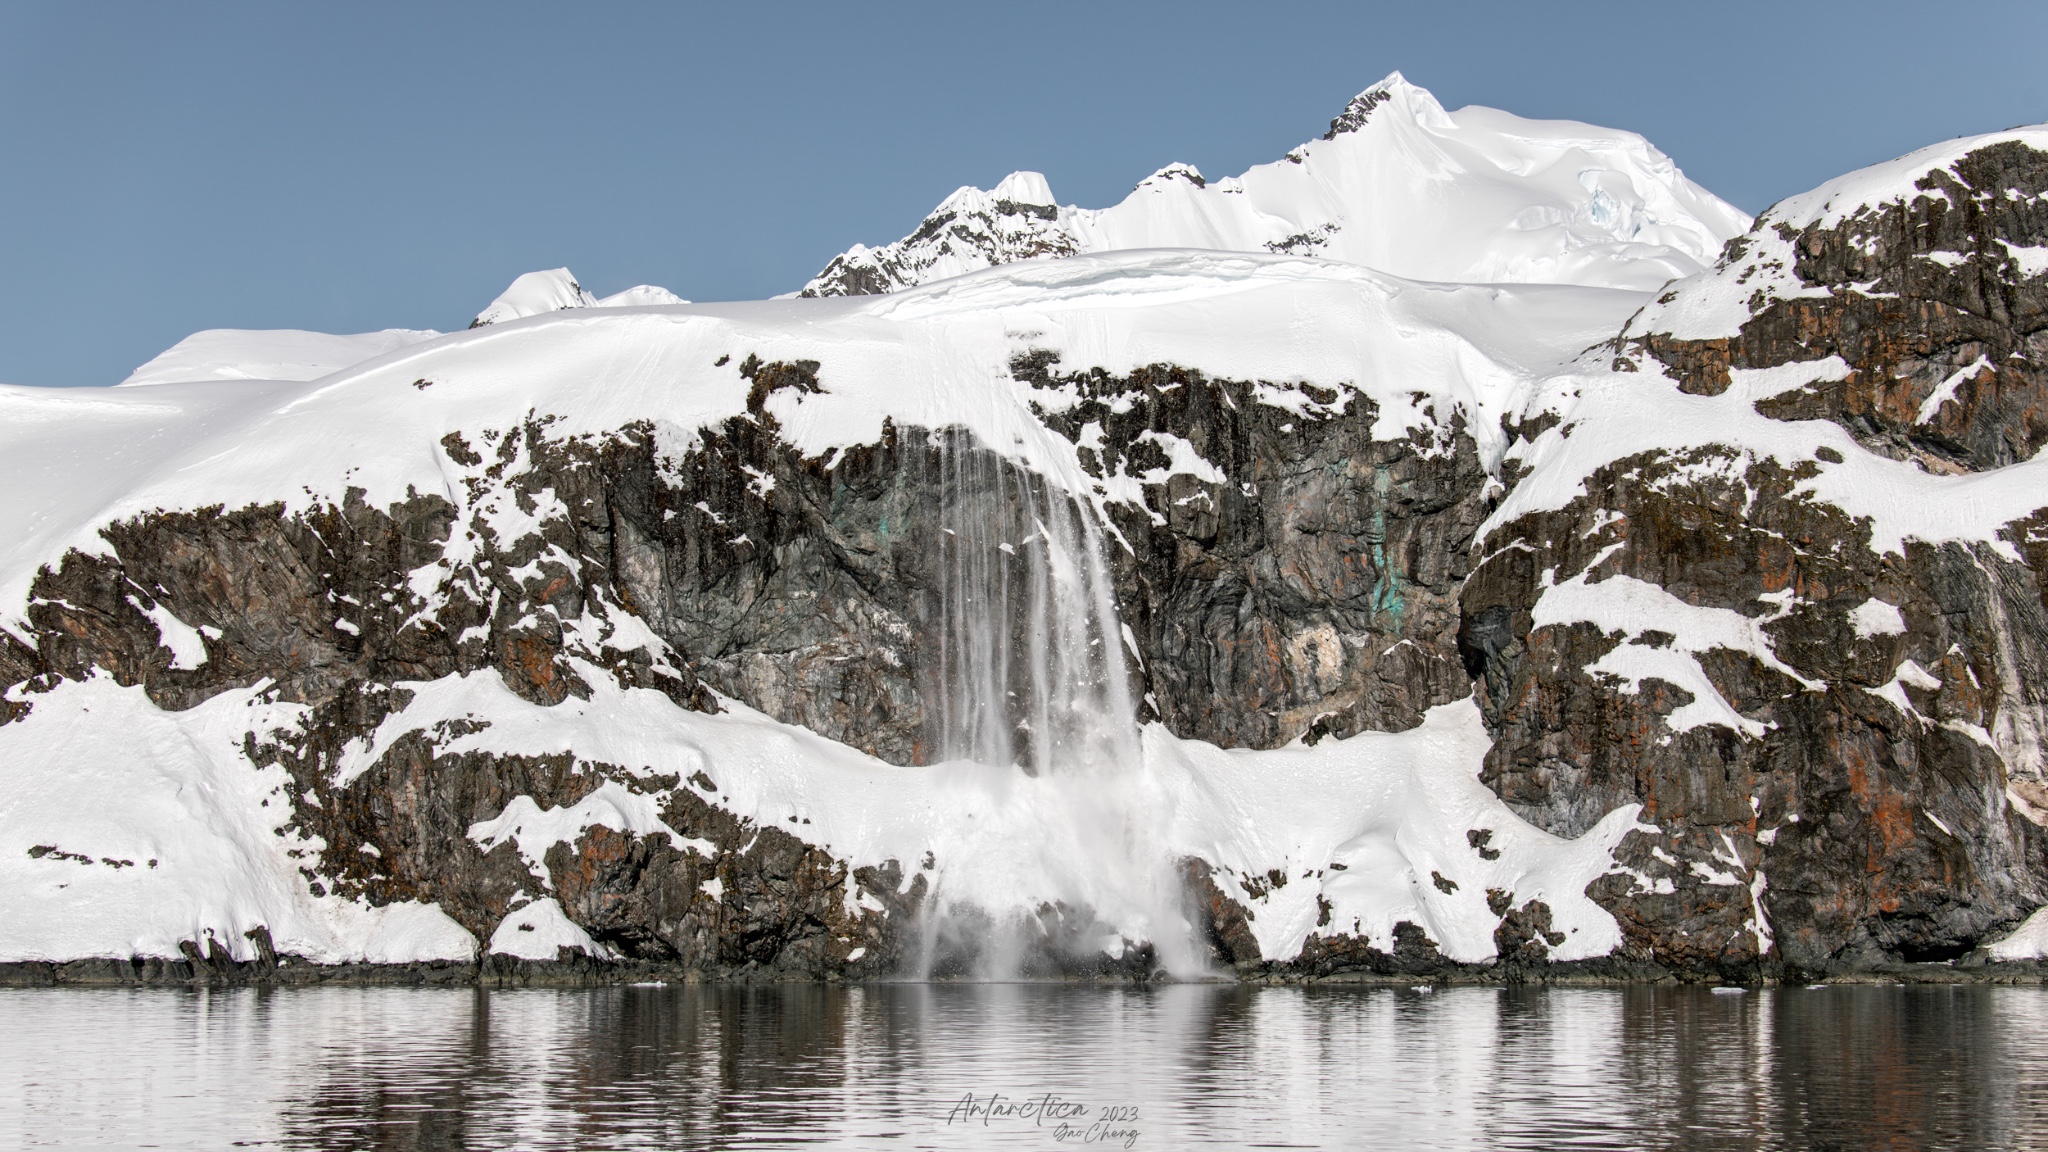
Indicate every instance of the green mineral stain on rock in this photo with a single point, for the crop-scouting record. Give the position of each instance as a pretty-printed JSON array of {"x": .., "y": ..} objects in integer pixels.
[{"x": 1386, "y": 585}]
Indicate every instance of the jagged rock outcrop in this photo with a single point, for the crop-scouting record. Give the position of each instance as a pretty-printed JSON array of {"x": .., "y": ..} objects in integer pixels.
[
  {"x": 1934, "y": 301},
  {"x": 1835, "y": 736},
  {"x": 1016, "y": 220}
]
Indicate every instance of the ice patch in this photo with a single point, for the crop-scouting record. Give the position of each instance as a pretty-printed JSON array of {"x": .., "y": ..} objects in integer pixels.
[
  {"x": 1875, "y": 617},
  {"x": 536, "y": 931},
  {"x": 2032, "y": 261},
  {"x": 1634, "y": 608},
  {"x": 1946, "y": 390},
  {"x": 535, "y": 829},
  {"x": 2027, "y": 942},
  {"x": 187, "y": 646}
]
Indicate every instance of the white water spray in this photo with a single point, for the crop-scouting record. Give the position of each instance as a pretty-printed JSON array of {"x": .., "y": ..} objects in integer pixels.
[{"x": 1030, "y": 699}]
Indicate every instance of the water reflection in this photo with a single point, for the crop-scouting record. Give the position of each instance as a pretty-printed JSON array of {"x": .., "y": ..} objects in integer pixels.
[{"x": 888, "y": 1066}]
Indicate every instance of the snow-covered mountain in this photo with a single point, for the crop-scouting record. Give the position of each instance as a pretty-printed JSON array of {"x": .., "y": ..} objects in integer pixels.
[
  {"x": 1142, "y": 609},
  {"x": 266, "y": 354},
  {"x": 1397, "y": 184},
  {"x": 291, "y": 354},
  {"x": 555, "y": 289},
  {"x": 474, "y": 431}
]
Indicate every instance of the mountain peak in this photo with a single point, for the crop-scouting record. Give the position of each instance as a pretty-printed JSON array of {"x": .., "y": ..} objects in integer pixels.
[
  {"x": 640, "y": 296},
  {"x": 1176, "y": 171},
  {"x": 1357, "y": 112},
  {"x": 1476, "y": 195},
  {"x": 534, "y": 293},
  {"x": 1025, "y": 188}
]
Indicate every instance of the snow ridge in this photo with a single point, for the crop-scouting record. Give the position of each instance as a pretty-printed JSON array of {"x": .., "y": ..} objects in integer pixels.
[{"x": 1397, "y": 184}]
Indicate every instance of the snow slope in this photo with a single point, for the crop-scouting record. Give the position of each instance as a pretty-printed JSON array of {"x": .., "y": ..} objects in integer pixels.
[
  {"x": 292, "y": 354},
  {"x": 159, "y": 831},
  {"x": 272, "y": 354},
  {"x": 933, "y": 356},
  {"x": 1716, "y": 306},
  {"x": 555, "y": 289},
  {"x": 126, "y": 829},
  {"x": 1399, "y": 185},
  {"x": 1609, "y": 415}
]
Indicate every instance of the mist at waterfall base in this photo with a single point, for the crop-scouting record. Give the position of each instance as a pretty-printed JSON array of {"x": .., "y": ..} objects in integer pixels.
[{"x": 1028, "y": 683}]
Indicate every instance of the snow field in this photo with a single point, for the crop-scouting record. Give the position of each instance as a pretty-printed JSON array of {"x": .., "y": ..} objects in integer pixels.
[{"x": 1363, "y": 824}]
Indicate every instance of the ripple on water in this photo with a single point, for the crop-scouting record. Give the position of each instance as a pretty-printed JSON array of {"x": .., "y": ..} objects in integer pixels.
[{"x": 1005, "y": 1065}]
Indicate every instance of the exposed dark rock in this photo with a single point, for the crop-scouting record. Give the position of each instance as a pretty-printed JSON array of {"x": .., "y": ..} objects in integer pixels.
[
  {"x": 1867, "y": 799},
  {"x": 1311, "y": 582},
  {"x": 1874, "y": 801},
  {"x": 1227, "y": 924},
  {"x": 1357, "y": 112},
  {"x": 983, "y": 230},
  {"x": 1920, "y": 296}
]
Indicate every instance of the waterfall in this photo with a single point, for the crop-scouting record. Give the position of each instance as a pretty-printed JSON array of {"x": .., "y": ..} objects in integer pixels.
[
  {"x": 1030, "y": 665},
  {"x": 1026, "y": 678}
]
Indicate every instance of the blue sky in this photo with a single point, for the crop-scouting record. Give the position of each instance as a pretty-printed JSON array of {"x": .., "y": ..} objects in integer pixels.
[{"x": 169, "y": 167}]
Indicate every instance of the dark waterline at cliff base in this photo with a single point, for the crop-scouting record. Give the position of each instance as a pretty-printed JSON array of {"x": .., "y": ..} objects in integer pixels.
[{"x": 1025, "y": 1066}]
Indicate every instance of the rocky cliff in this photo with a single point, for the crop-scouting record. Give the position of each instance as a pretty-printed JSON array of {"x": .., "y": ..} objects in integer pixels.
[
  {"x": 642, "y": 638},
  {"x": 1832, "y": 717}
]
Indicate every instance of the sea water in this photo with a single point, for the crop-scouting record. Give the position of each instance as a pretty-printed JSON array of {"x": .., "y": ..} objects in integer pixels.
[{"x": 1027, "y": 1066}]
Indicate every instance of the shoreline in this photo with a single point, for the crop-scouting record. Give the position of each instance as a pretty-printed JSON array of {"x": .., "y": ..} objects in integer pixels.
[{"x": 503, "y": 972}]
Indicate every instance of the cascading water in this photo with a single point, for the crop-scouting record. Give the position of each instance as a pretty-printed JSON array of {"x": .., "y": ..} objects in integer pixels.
[
  {"x": 1030, "y": 667},
  {"x": 1029, "y": 697}
]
